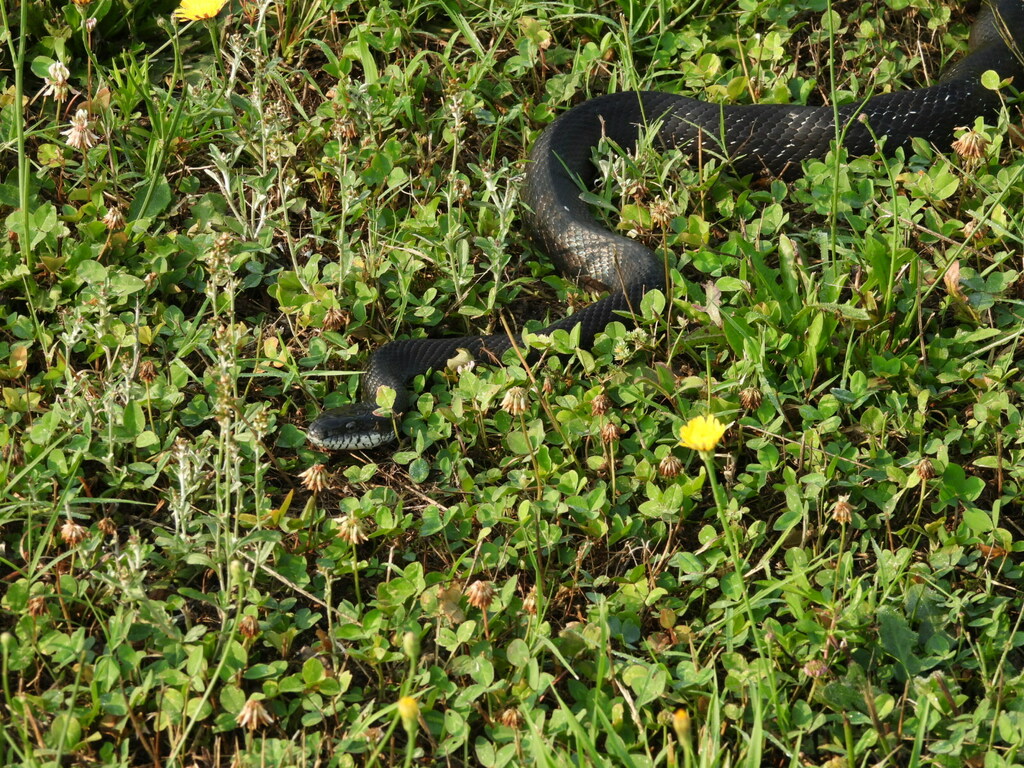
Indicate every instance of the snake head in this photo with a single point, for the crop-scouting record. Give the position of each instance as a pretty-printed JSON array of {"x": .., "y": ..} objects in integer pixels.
[{"x": 351, "y": 428}]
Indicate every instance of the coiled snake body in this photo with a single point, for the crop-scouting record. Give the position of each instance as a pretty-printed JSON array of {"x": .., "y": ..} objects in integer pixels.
[{"x": 761, "y": 139}]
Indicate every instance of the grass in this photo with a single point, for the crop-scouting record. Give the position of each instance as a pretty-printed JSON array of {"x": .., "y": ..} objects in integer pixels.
[{"x": 295, "y": 183}]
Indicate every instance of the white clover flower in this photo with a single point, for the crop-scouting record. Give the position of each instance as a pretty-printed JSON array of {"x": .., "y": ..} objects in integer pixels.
[
  {"x": 79, "y": 136},
  {"x": 57, "y": 82}
]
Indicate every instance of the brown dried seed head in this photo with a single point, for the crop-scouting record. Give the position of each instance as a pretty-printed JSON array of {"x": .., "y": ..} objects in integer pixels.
[
  {"x": 751, "y": 398},
  {"x": 670, "y": 466},
  {"x": 925, "y": 469},
  {"x": 600, "y": 404},
  {"x": 72, "y": 532},
  {"x": 970, "y": 147},
  {"x": 334, "y": 319},
  {"x": 480, "y": 594},
  {"x": 249, "y": 627},
  {"x": 530, "y": 602},
  {"x": 611, "y": 432},
  {"x": 36, "y": 606},
  {"x": 842, "y": 512},
  {"x": 511, "y": 717},
  {"x": 661, "y": 213},
  {"x": 222, "y": 244},
  {"x": 147, "y": 372}
]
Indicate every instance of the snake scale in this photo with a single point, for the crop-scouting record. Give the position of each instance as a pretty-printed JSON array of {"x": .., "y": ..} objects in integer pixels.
[{"x": 759, "y": 139}]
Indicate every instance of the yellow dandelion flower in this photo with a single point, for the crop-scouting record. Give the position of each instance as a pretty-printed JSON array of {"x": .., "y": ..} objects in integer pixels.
[
  {"x": 409, "y": 712},
  {"x": 681, "y": 723},
  {"x": 196, "y": 10},
  {"x": 701, "y": 433}
]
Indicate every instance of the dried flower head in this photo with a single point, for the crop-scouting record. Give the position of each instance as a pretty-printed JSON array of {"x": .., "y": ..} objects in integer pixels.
[
  {"x": 661, "y": 213},
  {"x": 334, "y": 319},
  {"x": 970, "y": 147},
  {"x": 36, "y": 606},
  {"x": 107, "y": 527},
  {"x": 816, "y": 668},
  {"x": 315, "y": 478},
  {"x": 701, "y": 433},
  {"x": 670, "y": 466},
  {"x": 480, "y": 594},
  {"x": 530, "y": 602},
  {"x": 78, "y": 135},
  {"x": 197, "y": 10},
  {"x": 114, "y": 219},
  {"x": 925, "y": 469},
  {"x": 611, "y": 432},
  {"x": 147, "y": 372},
  {"x": 374, "y": 734},
  {"x": 248, "y": 627},
  {"x": 842, "y": 512},
  {"x": 345, "y": 129},
  {"x": 751, "y": 398},
  {"x": 350, "y": 529},
  {"x": 73, "y": 533},
  {"x": 515, "y": 401},
  {"x": 636, "y": 188},
  {"x": 600, "y": 404},
  {"x": 222, "y": 245},
  {"x": 511, "y": 717},
  {"x": 253, "y": 715},
  {"x": 951, "y": 279}
]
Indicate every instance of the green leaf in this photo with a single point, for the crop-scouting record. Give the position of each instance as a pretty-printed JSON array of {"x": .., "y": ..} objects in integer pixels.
[
  {"x": 518, "y": 653},
  {"x": 648, "y": 683},
  {"x": 92, "y": 272},
  {"x": 990, "y": 79},
  {"x": 312, "y": 671},
  {"x": 898, "y": 639},
  {"x": 122, "y": 284},
  {"x": 152, "y": 200}
]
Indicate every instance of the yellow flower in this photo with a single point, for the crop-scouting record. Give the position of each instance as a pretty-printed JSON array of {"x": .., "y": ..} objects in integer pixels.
[
  {"x": 409, "y": 712},
  {"x": 681, "y": 723},
  {"x": 701, "y": 433},
  {"x": 196, "y": 10}
]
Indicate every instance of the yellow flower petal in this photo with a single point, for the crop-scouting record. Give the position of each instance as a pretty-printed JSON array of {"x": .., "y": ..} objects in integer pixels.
[
  {"x": 409, "y": 712},
  {"x": 196, "y": 10},
  {"x": 701, "y": 433}
]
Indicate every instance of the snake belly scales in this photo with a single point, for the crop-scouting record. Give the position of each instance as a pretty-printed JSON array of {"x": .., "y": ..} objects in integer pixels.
[{"x": 759, "y": 139}]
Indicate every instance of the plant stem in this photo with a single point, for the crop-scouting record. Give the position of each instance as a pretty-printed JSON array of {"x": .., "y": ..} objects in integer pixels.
[{"x": 18, "y": 56}]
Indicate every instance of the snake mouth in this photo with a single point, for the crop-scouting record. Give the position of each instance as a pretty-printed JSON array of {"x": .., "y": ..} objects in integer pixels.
[{"x": 350, "y": 428}]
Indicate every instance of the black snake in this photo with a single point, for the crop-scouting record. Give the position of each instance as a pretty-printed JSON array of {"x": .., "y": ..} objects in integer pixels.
[{"x": 760, "y": 139}]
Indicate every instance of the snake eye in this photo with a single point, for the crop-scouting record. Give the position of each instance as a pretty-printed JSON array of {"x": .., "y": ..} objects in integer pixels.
[{"x": 350, "y": 426}]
